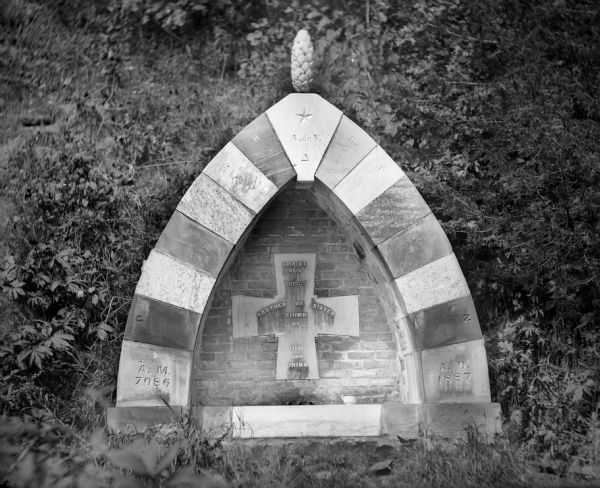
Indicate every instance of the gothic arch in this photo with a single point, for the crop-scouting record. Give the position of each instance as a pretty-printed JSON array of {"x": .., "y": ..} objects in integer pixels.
[{"x": 305, "y": 139}]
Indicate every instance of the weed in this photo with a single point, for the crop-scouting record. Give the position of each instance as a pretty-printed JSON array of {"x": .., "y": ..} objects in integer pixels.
[{"x": 496, "y": 102}]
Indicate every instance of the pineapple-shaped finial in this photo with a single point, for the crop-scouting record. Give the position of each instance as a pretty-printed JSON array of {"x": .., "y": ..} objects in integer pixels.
[{"x": 302, "y": 61}]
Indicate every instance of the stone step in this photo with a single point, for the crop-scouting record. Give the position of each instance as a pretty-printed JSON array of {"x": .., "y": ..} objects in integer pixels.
[{"x": 306, "y": 421}]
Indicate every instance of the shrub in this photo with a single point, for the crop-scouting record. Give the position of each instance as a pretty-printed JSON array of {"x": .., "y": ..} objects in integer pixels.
[{"x": 64, "y": 270}]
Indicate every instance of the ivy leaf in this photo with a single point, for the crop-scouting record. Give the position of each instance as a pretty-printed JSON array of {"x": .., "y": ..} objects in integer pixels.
[
  {"x": 185, "y": 476},
  {"x": 149, "y": 454},
  {"x": 575, "y": 390},
  {"x": 60, "y": 341},
  {"x": 128, "y": 459},
  {"x": 139, "y": 457},
  {"x": 98, "y": 443},
  {"x": 505, "y": 346},
  {"x": 167, "y": 459},
  {"x": 21, "y": 357},
  {"x": 586, "y": 319},
  {"x": 26, "y": 470},
  {"x": 128, "y": 482},
  {"x": 35, "y": 356},
  {"x": 103, "y": 330}
]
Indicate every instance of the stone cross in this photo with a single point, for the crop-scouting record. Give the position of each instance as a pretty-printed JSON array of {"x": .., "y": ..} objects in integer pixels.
[{"x": 296, "y": 316}]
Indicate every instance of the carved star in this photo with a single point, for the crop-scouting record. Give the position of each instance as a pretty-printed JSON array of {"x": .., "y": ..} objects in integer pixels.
[{"x": 304, "y": 116}]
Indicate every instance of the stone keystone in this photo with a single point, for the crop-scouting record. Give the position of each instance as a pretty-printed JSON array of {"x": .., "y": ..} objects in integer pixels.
[{"x": 304, "y": 124}]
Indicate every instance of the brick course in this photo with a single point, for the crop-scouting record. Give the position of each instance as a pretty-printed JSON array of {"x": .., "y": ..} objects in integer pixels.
[{"x": 242, "y": 371}]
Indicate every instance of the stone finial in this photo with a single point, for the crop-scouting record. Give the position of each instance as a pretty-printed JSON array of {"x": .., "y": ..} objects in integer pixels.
[{"x": 302, "y": 61}]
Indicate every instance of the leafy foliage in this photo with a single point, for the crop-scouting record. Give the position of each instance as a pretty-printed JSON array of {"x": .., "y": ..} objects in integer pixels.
[
  {"x": 64, "y": 271},
  {"x": 49, "y": 455},
  {"x": 67, "y": 210},
  {"x": 179, "y": 455},
  {"x": 166, "y": 14},
  {"x": 495, "y": 102}
]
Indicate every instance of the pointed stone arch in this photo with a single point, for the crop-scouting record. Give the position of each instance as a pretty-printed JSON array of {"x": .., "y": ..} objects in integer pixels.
[{"x": 306, "y": 140}]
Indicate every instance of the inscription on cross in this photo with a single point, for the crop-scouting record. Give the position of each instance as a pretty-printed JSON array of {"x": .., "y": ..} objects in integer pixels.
[{"x": 296, "y": 316}]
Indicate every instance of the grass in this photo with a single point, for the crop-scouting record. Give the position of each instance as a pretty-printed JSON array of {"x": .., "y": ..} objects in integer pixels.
[
  {"x": 182, "y": 453},
  {"x": 314, "y": 463},
  {"x": 60, "y": 454},
  {"x": 159, "y": 122}
]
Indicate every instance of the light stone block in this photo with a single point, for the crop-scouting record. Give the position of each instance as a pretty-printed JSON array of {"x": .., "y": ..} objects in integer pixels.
[
  {"x": 369, "y": 179},
  {"x": 169, "y": 280},
  {"x": 149, "y": 374},
  {"x": 231, "y": 169},
  {"x": 436, "y": 282},
  {"x": 457, "y": 373},
  {"x": 209, "y": 204},
  {"x": 307, "y": 421},
  {"x": 304, "y": 123}
]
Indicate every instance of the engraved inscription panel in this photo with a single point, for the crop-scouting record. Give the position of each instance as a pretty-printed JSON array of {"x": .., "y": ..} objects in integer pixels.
[
  {"x": 456, "y": 373},
  {"x": 296, "y": 316},
  {"x": 152, "y": 375},
  {"x": 304, "y": 124},
  {"x": 455, "y": 377}
]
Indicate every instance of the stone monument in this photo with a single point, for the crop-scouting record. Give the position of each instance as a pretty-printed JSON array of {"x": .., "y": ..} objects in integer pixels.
[
  {"x": 304, "y": 288},
  {"x": 295, "y": 316}
]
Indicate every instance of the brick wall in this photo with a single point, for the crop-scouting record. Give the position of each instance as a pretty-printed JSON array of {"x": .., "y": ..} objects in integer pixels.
[{"x": 242, "y": 371}]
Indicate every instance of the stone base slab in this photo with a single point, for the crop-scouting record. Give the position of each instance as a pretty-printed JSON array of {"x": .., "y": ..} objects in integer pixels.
[
  {"x": 306, "y": 421},
  {"x": 137, "y": 419},
  {"x": 455, "y": 419},
  {"x": 405, "y": 420}
]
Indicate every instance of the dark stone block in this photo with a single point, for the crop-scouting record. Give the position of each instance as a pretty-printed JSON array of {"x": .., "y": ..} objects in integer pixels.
[
  {"x": 260, "y": 144},
  {"x": 193, "y": 243},
  {"x": 454, "y": 420},
  {"x": 159, "y": 323},
  {"x": 400, "y": 420},
  {"x": 394, "y": 210},
  {"x": 134, "y": 419},
  {"x": 350, "y": 144},
  {"x": 448, "y": 323},
  {"x": 417, "y": 245}
]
